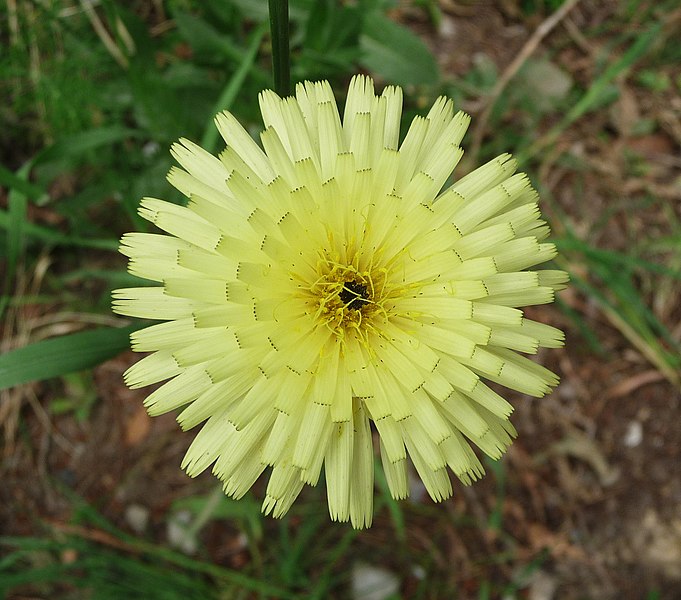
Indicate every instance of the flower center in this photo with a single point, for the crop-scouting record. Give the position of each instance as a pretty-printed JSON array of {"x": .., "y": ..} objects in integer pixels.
[
  {"x": 354, "y": 295},
  {"x": 348, "y": 297}
]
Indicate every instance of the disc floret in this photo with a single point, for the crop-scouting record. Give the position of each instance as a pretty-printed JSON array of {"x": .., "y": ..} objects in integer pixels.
[{"x": 347, "y": 298}]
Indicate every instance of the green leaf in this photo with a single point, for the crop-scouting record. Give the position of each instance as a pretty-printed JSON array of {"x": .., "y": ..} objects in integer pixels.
[
  {"x": 205, "y": 39},
  {"x": 395, "y": 53},
  {"x": 65, "y": 354},
  {"x": 331, "y": 27},
  {"x": 331, "y": 43}
]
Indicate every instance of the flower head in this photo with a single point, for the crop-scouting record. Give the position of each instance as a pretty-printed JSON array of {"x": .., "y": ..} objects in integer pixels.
[{"x": 325, "y": 282}]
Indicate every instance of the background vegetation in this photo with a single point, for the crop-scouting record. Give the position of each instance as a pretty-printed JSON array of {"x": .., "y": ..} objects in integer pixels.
[{"x": 587, "y": 502}]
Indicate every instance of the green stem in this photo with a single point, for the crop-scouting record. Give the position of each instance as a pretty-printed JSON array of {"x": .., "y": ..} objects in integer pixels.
[{"x": 281, "y": 66}]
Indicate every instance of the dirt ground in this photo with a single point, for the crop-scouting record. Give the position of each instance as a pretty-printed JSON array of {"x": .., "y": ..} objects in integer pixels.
[{"x": 594, "y": 479}]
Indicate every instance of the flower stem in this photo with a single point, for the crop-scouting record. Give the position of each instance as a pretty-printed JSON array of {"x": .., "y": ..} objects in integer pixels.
[{"x": 280, "y": 46}]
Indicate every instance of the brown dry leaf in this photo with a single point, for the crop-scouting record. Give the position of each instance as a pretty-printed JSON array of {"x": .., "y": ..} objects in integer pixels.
[
  {"x": 651, "y": 146},
  {"x": 539, "y": 537},
  {"x": 137, "y": 427},
  {"x": 69, "y": 556}
]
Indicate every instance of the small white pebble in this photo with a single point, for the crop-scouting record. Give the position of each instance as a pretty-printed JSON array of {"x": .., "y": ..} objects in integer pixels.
[
  {"x": 417, "y": 490},
  {"x": 543, "y": 587},
  {"x": 448, "y": 29},
  {"x": 178, "y": 532},
  {"x": 373, "y": 583},
  {"x": 418, "y": 571},
  {"x": 137, "y": 516},
  {"x": 150, "y": 149},
  {"x": 634, "y": 435}
]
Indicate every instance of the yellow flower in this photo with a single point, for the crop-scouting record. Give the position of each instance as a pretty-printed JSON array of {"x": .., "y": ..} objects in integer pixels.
[{"x": 327, "y": 283}]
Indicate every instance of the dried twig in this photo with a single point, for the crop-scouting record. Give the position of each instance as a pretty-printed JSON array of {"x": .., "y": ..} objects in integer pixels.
[
  {"x": 104, "y": 36},
  {"x": 530, "y": 46},
  {"x": 578, "y": 37}
]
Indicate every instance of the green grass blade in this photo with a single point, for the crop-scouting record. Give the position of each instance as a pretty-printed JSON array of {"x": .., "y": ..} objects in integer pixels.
[
  {"x": 496, "y": 517},
  {"x": 394, "y": 507},
  {"x": 340, "y": 550},
  {"x": 594, "y": 94},
  {"x": 18, "y": 207},
  {"x": 231, "y": 90},
  {"x": 18, "y": 183},
  {"x": 634, "y": 329},
  {"x": 625, "y": 262},
  {"x": 584, "y": 330},
  {"x": 75, "y": 145},
  {"x": 16, "y": 221},
  {"x": 113, "y": 278},
  {"x": 61, "y": 355},
  {"x": 49, "y": 236}
]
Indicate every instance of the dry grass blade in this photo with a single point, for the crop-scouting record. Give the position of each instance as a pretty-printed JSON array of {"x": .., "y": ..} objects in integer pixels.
[{"x": 104, "y": 35}]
